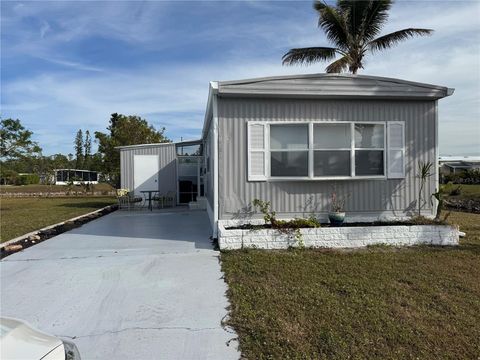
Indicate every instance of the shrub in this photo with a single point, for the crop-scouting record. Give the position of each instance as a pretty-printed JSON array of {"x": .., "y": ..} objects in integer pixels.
[
  {"x": 470, "y": 176},
  {"x": 27, "y": 179}
]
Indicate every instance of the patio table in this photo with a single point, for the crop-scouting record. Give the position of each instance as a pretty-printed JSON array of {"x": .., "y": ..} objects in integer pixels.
[{"x": 149, "y": 192}]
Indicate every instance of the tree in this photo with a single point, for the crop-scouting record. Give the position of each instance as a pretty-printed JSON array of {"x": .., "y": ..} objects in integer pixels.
[
  {"x": 88, "y": 151},
  {"x": 79, "y": 149},
  {"x": 15, "y": 140},
  {"x": 60, "y": 161},
  {"x": 124, "y": 130},
  {"x": 352, "y": 26}
]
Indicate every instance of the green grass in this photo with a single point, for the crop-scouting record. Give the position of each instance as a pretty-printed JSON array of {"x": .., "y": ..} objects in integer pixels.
[
  {"x": 467, "y": 192},
  {"x": 49, "y": 188},
  {"x": 22, "y": 215},
  {"x": 378, "y": 303}
]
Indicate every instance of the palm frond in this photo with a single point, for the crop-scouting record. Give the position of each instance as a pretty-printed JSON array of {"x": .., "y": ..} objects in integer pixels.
[
  {"x": 376, "y": 15},
  {"x": 319, "y": 5},
  {"x": 333, "y": 23},
  {"x": 387, "y": 41},
  {"x": 338, "y": 66},
  {"x": 308, "y": 55},
  {"x": 354, "y": 12}
]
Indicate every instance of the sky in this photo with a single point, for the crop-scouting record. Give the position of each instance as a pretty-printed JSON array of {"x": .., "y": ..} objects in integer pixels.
[{"x": 67, "y": 65}]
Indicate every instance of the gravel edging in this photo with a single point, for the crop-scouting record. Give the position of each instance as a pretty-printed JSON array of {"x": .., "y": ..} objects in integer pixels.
[{"x": 32, "y": 238}]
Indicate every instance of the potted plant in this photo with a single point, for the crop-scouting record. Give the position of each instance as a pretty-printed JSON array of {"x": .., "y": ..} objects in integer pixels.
[{"x": 336, "y": 216}]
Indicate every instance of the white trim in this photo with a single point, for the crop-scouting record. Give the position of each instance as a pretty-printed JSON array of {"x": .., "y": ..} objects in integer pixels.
[
  {"x": 437, "y": 158},
  {"x": 212, "y": 91},
  {"x": 400, "y": 175},
  {"x": 267, "y": 152},
  {"x": 304, "y": 178},
  {"x": 352, "y": 149},
  {"x": 126, "y": 147},
  {"x": 76, "y": 182},
  {"x": 215, "y": 164}
]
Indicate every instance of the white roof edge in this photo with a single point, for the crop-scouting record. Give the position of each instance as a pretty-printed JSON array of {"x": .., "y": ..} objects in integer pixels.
[
  {"x": 449, "y": 91},
  {"x": 454, "y": 158},
  {"x": 212, "y": 90},
  {"x": 144, "y": 145}
]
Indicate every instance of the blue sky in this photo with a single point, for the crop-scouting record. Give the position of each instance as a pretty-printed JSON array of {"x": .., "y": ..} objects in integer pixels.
[{"x": 69, "y": 65}]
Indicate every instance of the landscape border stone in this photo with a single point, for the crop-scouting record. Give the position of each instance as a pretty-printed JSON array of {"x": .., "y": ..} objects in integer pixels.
[{"x": 32, "y": 238}]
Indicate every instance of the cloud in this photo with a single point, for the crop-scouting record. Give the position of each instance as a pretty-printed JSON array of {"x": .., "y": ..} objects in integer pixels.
[
  {"x": 44, "y": 29},
  {"x": 155, "y": 59}
]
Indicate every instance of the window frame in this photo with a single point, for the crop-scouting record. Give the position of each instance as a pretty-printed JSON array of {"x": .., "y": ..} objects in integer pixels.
[{"x": 311, "y": 151}]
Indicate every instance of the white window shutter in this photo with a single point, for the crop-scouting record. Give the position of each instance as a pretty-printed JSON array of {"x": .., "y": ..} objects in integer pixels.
[
  {"x": 257, "y": 162},
  {"x": 396, "y": 149}
]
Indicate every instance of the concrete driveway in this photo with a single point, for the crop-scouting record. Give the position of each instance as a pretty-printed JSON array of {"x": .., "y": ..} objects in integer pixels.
[{"x": 130, "y": 285}]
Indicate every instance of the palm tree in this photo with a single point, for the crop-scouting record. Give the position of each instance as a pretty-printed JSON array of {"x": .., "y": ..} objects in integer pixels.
[{"x": 352, "y": 26}]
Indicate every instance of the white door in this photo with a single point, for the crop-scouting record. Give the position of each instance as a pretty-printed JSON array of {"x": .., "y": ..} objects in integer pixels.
[{"x": 145, "y": 172}]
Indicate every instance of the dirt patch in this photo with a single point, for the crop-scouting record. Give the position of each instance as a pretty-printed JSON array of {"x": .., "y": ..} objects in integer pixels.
[{"x": 412, "y": 222}]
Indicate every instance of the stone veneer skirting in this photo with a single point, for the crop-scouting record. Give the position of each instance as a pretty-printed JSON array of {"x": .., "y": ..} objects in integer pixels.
[{"x": 339, "y": 237}]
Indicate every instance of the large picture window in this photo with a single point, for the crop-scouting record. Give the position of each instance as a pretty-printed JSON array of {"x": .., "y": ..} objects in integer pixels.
[{"x": 327, "y": 150}]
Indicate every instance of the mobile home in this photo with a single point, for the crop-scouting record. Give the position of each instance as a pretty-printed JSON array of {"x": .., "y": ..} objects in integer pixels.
[{"x": 291, "y": 139}]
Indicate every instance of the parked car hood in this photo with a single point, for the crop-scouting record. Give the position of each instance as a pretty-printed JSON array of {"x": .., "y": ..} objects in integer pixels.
[{"x": 19, "y": 341}]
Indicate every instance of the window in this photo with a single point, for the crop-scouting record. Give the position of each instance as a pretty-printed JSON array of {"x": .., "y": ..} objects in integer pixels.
[
  {"x": 369, "y": 149},
  {"x": 289, "y": 150},
  {"x": 332, "y": 147},
  {"x": 325, "y": 150}
]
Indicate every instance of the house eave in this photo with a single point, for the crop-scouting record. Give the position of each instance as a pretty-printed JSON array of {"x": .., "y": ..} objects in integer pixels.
[{"x": 332, "y": 86}]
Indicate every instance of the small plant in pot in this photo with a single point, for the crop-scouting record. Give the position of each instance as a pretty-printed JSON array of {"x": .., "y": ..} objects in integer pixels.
[{"x": 336, "y": 216}]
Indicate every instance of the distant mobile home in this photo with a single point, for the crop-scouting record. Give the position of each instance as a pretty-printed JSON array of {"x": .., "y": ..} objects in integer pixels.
[
  {"x": 75, "y": 176},
  {"x": 291, "y": 139}
]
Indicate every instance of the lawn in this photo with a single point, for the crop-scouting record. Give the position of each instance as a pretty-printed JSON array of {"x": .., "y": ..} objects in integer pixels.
[
  {"x": 38, "y": 188},
  {"x": 384, "y": 303},
  {"x": 22, "y": 215},
  {"x": 466, "y": 192}
]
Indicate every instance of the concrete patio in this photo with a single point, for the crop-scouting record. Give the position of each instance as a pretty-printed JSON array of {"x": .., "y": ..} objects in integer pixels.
[{"x": 130, "y": 285}]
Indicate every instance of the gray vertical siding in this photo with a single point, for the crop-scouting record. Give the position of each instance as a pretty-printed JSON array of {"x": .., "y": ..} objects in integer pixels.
[
  {"x": 290, "y": 198},
  {"x": 167, "y": 176}
]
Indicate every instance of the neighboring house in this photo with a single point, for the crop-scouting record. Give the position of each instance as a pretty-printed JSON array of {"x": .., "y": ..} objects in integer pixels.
[
  {"x": 75, "y": 176},
  {"x": 458, "y": 164},
  {"x": 291, "y": 139}
]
